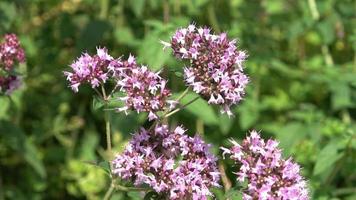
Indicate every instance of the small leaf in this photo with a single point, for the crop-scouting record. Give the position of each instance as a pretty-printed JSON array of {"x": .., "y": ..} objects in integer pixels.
[
  {"x": 97, "y": 103},
  {"x": 341, "y": 95},
  {"x": 137, "y": 7},
  {"x": 326, "y": 158}
]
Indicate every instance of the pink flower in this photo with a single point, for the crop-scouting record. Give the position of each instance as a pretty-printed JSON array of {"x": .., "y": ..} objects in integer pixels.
[
  {"x": 216, "y": 65},
  {"x": 268, "y": 175},
  {"x": 144, "y": 90},
  {"x": 176, "y": 166},
  {"x": 92, "y": 70},
  {"x": 10, "y": 52}
]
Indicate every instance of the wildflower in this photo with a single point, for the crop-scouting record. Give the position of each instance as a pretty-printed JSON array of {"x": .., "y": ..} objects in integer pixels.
[
  {"x": 173, "y": 164},
  {"x": 90, "y": 69},
  {"x": 145, "y": 91},
  {"x": 269, "y": 176},
  {"x": 10, "y": 52},
  {"x": 216, "y": 65}
]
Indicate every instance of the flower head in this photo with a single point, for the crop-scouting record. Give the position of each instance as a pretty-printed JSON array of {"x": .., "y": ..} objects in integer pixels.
[
  {"x": 173, "y": 164},
  {"x": 90, "y": 69},
  {"x": 10, "y": 52},
  {"x": 145, "y": 91},
  {"x": 9, "y": 83},
  {"x": 216, "y": 65},
  {"x": 269, "y": 176}
]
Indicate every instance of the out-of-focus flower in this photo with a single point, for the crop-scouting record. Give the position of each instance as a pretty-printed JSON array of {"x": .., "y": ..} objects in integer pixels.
[
  {"x": 269, "y": 176},
  {"x": 9, "y": 83},
  {"x": 216, "y": 65},
  {"x": 175, "y": 165},
  {"x": 90, "y": 69},
  {"x": 10, "y": 52},
  {"x": 145, "y": 91}
]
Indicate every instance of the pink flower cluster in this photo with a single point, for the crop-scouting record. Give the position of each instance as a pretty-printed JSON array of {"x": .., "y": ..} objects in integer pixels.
[
  {"x": 10, "y": 52},
  {"x": 269, "y": 176},
  {"x": 145, "y": 92},
  {"x": 173, "y": 164},
  {"x": 89, "y": 69},
  {"x": 216, "y": 65}
]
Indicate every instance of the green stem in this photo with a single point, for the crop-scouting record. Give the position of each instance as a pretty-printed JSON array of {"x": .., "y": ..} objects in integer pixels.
[
  {"x": 127, "y": 189},
  {"x": 104, "y": 8},
  {"x": 180, "y": 97},
  {"x": 108, "y": 131},
  {"x": 180, "y": 108},
  {"x": 324, "y": 48},
  {"x": 109, "y": 192},
  {"x": 212, "y": 17},
  {"x": 108, "y": 142}
]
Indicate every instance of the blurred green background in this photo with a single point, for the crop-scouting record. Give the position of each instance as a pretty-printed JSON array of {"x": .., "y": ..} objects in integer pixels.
[{"x": 302, "y": 66}]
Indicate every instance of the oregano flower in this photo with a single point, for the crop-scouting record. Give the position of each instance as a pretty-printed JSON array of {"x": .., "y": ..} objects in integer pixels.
[
  {"x": 172, "y": 163},
  {"x": 268, "y": 175},
  {"x": 215, "y": 68}
]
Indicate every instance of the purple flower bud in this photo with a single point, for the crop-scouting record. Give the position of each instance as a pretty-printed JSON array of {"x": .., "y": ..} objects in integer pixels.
[
  {"x": 269, "y": 176},
  {"x": 173, "y": 164}
]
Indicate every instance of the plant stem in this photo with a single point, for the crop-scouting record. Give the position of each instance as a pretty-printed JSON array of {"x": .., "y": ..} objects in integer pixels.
[
  {"x": 180, "y": 97},
  {"x": 324, "y": 48},
  {"x": 109, "y": 192},
  {"x": 225, "y": 180},
  {"x": 127, "y": 189},
  {"x": 108, "y": 142},
  {"x": 108, "y": 131},
  {"x": 178, "y": 109},
  {"x": 104, "y": 8}
]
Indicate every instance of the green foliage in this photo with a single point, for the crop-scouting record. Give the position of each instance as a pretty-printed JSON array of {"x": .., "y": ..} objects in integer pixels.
[{"x": 302, "y": 89}]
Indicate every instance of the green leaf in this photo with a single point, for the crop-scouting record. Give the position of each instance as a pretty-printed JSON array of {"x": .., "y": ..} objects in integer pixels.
[
  {"x": 151, "y": 53},
  {"x": 341, "y": 95},
  {"x": 88, "y": 146},
  {"x": 92, "y": 34},
  {"x": 326, "y": 158},
  {"x": 97, "y": 103},
  {"x": 290, "y": 134},
  {"x": 137, "y": 7},
  {"x": 124, "y": 35},
  {"x": 17, "y": 140},
  {"x": 248, "y": 113}
]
